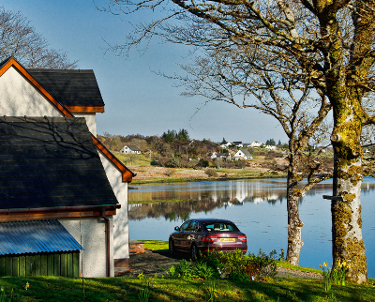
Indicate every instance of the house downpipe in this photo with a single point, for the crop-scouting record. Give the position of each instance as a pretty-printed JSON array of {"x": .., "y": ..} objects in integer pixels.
[{"x": 108, "y": 243}]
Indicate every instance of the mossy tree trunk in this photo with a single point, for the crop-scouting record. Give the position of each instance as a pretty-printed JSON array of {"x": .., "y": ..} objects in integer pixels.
[
  {"x": 345, "y": 87},
  {"x": 347, "y": 238}
]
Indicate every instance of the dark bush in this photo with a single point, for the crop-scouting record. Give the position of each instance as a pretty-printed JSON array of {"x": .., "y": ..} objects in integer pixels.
[
  {"x": 162, "y": 161},
  {"x": 211, "y": 173},
  {"x": 203, "y": 163},
  {"x": 173, "y": 163}
]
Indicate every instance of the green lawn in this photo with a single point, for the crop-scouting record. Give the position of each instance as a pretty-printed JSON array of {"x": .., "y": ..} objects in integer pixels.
[
  {"x": 128, "y": 289},
  {"x": 132, "y": 159}
]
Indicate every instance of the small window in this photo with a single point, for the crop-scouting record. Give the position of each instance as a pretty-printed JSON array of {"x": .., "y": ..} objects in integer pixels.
[
  {"x": 193, "y": 226},
  {"x": 221, "y": 227}
]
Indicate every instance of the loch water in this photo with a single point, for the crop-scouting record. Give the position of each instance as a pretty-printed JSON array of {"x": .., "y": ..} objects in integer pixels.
[{"x": 258, "y": 207}]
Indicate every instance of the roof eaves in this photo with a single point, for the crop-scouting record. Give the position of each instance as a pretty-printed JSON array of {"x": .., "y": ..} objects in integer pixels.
[
  {"x": 60, "y": 209},
  {"x": 85, "y": 109}
]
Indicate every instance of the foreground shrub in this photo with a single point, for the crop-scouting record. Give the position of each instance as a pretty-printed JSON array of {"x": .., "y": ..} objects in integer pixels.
[
  {"x": 239, "y": 266},
  {"x": 189, "y": 270},
  {"x": 235, "y": 266}
]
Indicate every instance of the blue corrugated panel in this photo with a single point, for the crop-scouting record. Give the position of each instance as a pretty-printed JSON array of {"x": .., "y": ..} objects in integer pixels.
[{"x": 38, "y": 236}]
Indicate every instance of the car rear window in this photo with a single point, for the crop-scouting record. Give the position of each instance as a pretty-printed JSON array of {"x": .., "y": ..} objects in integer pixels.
[{"x": 221, "y": 227}]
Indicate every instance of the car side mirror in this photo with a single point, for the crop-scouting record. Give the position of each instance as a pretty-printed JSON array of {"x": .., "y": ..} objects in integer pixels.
[{"x": 177, "y": 228}]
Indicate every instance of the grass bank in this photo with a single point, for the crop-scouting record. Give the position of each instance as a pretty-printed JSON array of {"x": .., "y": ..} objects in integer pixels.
[
  {"x": 159, "y": 289},
  {"x": 148, "y": 174},
  {"x": 235, "y": 174}
]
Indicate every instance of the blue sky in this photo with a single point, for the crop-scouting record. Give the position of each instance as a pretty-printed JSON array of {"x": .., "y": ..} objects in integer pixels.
[{"x": 136, "y": 99}]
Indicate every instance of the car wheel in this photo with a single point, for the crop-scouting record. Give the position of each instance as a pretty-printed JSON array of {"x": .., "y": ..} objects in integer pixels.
[
  {"x": 194, "y": 252},
  {"x": 171, "y": 247}
]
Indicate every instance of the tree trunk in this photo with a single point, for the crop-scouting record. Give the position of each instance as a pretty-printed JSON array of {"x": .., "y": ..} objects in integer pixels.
[
  {"x": 295, "y": 225},
  {"x": 347, "y": 238}
]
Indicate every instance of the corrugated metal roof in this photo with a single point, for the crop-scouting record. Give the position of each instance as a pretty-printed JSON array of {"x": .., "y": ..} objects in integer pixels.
[{"x": 37, "y": 236}]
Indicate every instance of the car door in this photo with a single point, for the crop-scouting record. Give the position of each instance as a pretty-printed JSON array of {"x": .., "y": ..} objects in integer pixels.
[
  {"x": 187, "y": 236},
  {"x": 181, "y": 235}
]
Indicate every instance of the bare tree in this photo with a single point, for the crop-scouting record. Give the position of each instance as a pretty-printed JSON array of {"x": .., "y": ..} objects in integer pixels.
[
  {"x": 19, "y": 39},
  {"x": 330, "y": 43},
  {"x": 240, "y": 77}
]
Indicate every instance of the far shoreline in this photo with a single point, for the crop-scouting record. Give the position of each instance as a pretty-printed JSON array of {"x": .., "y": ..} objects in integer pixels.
[{"x": 170, "y": 180}]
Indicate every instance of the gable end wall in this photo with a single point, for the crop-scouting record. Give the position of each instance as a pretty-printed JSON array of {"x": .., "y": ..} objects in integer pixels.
[{"x": 20, "y": 98}]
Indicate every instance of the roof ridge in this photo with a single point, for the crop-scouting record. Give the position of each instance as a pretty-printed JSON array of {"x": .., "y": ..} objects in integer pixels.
[
  {"x": 45, "y": 119},
  {"x": 60, "y": 70}
]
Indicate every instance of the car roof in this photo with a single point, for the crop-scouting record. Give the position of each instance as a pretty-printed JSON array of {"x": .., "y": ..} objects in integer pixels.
[{"x": 211, "y": 220}]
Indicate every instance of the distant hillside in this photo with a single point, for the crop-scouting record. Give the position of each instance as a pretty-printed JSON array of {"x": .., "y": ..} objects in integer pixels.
[
  {"x": 163, "y": 148},
  {"x": 176, "y": 150}
]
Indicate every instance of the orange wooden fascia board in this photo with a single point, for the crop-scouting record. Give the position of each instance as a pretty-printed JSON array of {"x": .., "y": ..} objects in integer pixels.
[
  {"x": 53, "y": 215},
  {"x": 88, "y": 109},
  {"x": 126, "y": 174},
  {"x": 13, "y": 62}
]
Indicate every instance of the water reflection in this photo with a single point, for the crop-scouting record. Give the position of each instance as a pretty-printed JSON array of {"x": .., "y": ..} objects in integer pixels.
[{"x": 205, "y": 197}]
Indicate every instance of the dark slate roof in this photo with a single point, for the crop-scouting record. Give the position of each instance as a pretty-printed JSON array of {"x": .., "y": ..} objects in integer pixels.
[
  {"x": 133, "y": 147},
  {"x": 70, "y": 87},
  {"x": 33, "y": 237},
  {"x": 50, "y": 162},
  {"x": 246, "y": 152}
]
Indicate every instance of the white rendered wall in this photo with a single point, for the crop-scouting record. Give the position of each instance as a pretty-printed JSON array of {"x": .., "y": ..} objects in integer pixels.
[
  {"x": 90, "y": 234},
  {"x": 90, "y": 120},
  {"x": 120, "y": 220},
  {"x": 19, "y": 97}
]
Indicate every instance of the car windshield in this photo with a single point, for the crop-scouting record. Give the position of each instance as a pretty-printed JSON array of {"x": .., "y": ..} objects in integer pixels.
[{"x": 220, "y": 226}]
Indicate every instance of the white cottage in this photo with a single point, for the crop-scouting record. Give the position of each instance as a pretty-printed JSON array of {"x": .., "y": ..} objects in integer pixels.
[
  {"x": 242, "y": 154},
  {"x": 130, "y": 149},
  {"x": 101, "y": 230}
]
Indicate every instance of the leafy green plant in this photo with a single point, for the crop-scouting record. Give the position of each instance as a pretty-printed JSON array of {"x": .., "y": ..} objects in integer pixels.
[
  {"x": 239, "y": 266},
  {"x": 211, "y": 289},
  {"x": 337, "y": 274},
  {"x": 144, "y": 293},
  {"x": 3, "y": 297},
  {"x": 201, "y": 270},
  {"x": 327, "y": 276},
  {"x": 341, "y": 269},
  {"x": 263, "y": 264},
  {"x": 182, "y": 270}
]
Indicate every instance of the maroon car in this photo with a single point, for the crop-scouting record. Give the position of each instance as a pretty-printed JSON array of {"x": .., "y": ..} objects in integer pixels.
[{"x": 202, "y": 235}]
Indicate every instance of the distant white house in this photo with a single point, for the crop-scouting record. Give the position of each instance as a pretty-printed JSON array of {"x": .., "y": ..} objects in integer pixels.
[
  {"x": 242, "y": 154},
  {"x": 212, "y": 155},
  {"x": 226, "y": 145},
  {"x": 269, "y": 147},
  {"x": 224, "y": 156},
  {"x": 130, "y": 149},
  {"x": 255, "y": 144},
  {"x": 238, "y": 144}
]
